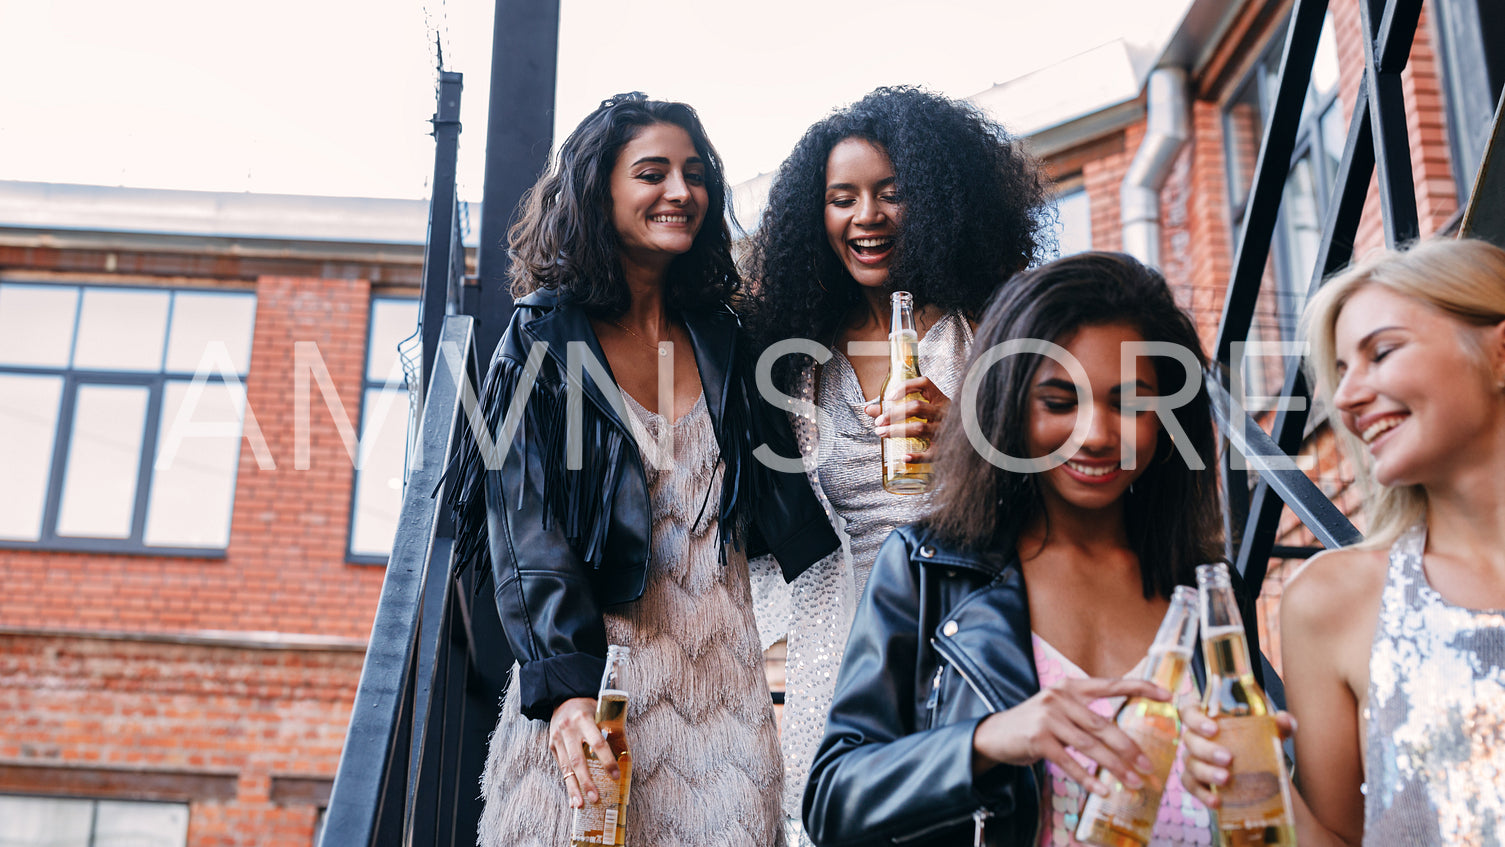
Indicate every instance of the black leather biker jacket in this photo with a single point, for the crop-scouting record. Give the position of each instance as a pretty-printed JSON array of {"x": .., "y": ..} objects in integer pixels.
[{"x": 566, "y": 529}]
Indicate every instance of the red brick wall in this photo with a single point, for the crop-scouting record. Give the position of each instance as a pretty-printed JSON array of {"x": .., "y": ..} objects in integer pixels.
[
  {"x": 240, "y": 719},
  {"x": 285, "y": 568}
]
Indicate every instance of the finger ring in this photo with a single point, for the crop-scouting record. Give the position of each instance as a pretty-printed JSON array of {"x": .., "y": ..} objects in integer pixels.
[{"x": 568, "y": 775}]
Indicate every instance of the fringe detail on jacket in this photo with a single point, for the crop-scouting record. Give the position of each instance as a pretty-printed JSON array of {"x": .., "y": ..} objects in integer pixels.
[{"x": 580, "y": 501}]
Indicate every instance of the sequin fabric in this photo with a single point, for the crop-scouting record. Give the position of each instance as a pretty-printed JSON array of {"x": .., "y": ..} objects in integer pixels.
[
  {"x": 1182, "y": 821},
  {"x": 704, "y": 743},
  {"x": 815, "y": 612},
  {"x": 1435, "y": 736}
]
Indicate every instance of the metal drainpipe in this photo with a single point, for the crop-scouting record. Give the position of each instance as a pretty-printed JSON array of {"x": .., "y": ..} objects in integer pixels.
[{"x": 1167, "y": 127}]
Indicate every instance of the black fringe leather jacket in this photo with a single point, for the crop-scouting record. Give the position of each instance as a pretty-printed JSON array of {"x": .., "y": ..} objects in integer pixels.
[{"x": 567, "y": 532}]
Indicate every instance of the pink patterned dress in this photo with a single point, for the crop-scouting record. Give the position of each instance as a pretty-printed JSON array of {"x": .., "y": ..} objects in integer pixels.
[{"x": 1182, "y": 821}]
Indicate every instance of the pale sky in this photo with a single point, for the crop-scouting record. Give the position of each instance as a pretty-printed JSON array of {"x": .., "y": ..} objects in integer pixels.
[{"x": 334, "y": 96}]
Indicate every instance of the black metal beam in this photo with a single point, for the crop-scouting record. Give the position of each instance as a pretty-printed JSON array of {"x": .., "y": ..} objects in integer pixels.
[
  {"x": 1395, "y": 32},
  {"x": 1387, "y": 111},
  {"x": 1270, "y": 176},
  {"x": 1331, "y": 526},
  {"x": 519, "y": 135},
  {"x": 439, "y": 250}
]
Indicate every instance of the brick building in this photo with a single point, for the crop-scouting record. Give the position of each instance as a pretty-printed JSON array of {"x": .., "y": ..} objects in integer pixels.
[
  {"x": 180, "y": 639},
  {"x": 180, "y": 642}
]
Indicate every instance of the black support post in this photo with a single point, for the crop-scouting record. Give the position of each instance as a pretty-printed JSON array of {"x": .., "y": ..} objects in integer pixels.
[
  {"x": 519, "y": 135},
  {"x": 440, "y": 250}
]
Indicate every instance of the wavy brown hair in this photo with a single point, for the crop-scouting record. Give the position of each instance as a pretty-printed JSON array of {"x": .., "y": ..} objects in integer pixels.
[
  {"x": 563, "y": 237},
  {"x": 1171, "y": 514}
]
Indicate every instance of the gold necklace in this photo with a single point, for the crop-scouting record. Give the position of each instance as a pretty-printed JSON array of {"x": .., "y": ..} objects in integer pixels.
[{"x": 662, "y": 351}]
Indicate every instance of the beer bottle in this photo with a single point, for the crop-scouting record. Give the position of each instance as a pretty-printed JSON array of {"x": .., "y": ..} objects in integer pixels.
[
  {"x": 899, "y": 476},
  {"x": 605, "y": 822},
  {"x": 1126, "y": 817},
  {"x": 1255, "y": 805}
]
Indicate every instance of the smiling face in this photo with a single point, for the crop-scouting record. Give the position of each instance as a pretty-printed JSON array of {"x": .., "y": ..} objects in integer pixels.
[
  {"x": 1093, "y": 478},
  {"x": 863, "y": 209},
  {"x": 658, "y": 194},
  {"x": 1414, "y": 387}
]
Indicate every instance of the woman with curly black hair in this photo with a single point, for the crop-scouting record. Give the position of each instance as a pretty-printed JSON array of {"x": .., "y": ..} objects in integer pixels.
[
  {"x": 618, "y": 493},
  {"x": 902, "y": 190}
]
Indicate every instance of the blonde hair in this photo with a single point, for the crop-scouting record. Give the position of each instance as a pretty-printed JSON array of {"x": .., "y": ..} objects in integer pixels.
[{"x": 1462, "y": 278}]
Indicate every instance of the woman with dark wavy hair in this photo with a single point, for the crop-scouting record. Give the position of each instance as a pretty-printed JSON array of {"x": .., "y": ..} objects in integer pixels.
[
  {"x": 621, "y": 492},
  {"x": 1077, "y": 489},
  {"x": 902, "y": 190}
]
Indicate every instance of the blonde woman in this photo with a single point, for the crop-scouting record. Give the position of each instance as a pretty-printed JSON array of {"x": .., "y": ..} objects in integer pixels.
[{"x": 1394, "y": 650}]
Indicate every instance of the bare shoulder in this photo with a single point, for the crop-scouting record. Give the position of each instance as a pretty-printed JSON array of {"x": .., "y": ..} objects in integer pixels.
[{"x": 1334, "y": 590}]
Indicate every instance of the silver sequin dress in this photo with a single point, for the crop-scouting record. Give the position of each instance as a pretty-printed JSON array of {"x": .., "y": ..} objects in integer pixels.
[
  {"x": 705, "y": 756},
  {"x": 815, "y": 611},
  {"x": 1435, "y": 741}
]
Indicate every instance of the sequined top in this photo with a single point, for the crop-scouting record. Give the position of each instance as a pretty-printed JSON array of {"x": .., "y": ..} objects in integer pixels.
[
  {"x": 816, "y": 611},
  {"x": 1182, "y": 821},
  {"x": 1435, "y": 740}
]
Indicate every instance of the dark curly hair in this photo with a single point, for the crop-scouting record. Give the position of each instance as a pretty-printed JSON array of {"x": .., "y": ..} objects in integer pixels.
[
  {"x": 563, "y": 237},
  {"x": 975, "y": 209},
  {"x": 1171, "y": 514}
]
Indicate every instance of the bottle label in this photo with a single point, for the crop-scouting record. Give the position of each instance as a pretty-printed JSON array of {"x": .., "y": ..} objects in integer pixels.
[
  {"x": 601, "y": 822},
  {"x": 1135, "y": 809},
  {"x": 1257, "y": 793}
]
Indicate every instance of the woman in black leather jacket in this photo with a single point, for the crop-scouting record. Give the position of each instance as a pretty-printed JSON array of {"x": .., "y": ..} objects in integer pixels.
[
  {"x": 622, "y": 472},
  {"x": 1067, "y": 512}
]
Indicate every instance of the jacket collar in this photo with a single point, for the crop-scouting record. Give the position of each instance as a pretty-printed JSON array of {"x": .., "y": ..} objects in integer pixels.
[
  {"x": 713, "y": 340},
  {"x": 931, "y": 549}
]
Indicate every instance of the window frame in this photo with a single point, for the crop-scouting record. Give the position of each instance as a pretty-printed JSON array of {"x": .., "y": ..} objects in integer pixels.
[
  {"x": 368, "y": 385},
  {"x": 155, "y": 383}
]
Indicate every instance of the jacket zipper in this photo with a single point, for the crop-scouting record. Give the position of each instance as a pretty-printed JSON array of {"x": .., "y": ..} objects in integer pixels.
[
  {"x": 932, "y": 704},
  {"x": 982, "y": 813}
]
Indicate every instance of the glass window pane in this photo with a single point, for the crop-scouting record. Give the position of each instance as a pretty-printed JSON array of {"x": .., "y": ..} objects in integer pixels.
[
  {"x": 193, "y": 477},
  {"x": 378, "y": 483},
  {"x": 121, "y": 330},
  {"x": 36, "y": 324},
  {"x": 28, "y": 428},
  {"x": 1243, "y": 130},
  {"x": 1325, "y": 64},
  {"x": 199, "y": 320},
  {"x": 141, "y": 824},
  {"x": 44, "y": 822},
  {"x": 1303, "y": 229},
  {"x": 391, "y": 322},
  {"x": 1074, "y": 224},
  {"x": 104, "y": 458}
]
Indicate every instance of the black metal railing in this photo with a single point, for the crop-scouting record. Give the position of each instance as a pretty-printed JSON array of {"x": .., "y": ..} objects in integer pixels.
[{"x": 1377, "y": 140}]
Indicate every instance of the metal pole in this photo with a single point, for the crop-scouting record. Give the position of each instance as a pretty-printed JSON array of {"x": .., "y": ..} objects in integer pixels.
[
  {"x": 439, "y": 249},
  {"x": 519, "y": 135}
]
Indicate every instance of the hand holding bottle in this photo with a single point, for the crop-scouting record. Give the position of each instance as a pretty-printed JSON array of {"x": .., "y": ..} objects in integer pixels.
[
  {"x": 572, "y": 729},
  {"x": 1061, "y": 716},
  {"x": 1207, "y": 761},
  {"x": 899, "y": 420}
]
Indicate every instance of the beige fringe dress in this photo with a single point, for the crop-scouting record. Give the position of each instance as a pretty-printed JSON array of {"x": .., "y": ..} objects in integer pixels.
[{"x": 705, "y": 748}]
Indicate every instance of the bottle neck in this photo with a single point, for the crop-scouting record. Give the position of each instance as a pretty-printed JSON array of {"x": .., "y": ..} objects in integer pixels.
[{"x": 1167, "y": 668}]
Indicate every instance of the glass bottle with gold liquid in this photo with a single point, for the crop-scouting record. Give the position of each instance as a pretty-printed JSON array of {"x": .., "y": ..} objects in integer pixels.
[
  {"x": 1126, "y": 817},
  {"x": 605, "y": 821},
  {"x": 899, "y": 476},
  {"x": 1255, "y": 806}
]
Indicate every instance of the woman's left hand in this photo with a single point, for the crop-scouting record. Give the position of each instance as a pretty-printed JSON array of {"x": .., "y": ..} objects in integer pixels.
[{"x": 892, "y": 415}]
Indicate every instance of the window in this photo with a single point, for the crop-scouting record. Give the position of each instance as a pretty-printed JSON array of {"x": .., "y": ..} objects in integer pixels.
[
  {"x": 1073, "y": 229},
  {"x": 377, "y": 494},
  {"x": 1472, "y": 36},
  {"x": 57, "y": 822},
  {"x": 1320, "y": 137},
  {"x": 120, "y": 415}
]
